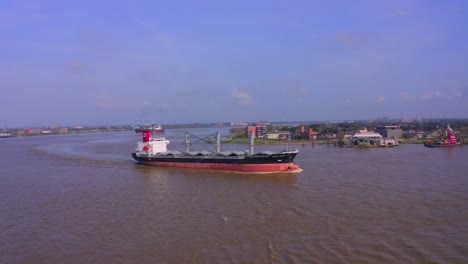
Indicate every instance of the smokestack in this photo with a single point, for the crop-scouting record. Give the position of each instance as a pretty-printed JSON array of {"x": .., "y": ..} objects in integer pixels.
[{"x": 146, "y": 136}]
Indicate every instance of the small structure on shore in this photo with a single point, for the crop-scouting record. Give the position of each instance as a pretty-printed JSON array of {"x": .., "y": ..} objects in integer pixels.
[
  {"x": 363, "y": 138},
  {"x": 394, "y": 132},
  {"x": 367, "y": 139}
]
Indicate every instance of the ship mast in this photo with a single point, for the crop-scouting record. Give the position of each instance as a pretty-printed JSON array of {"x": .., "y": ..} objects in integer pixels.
[
  {"x": 218, "y": 143},
  {"x": 186, "y": 142}
]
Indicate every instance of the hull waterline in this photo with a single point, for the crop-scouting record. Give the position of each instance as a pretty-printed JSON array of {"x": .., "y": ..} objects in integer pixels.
[
  {"x": 442, "y": 146},
  {"x": 244, "y": 168}
]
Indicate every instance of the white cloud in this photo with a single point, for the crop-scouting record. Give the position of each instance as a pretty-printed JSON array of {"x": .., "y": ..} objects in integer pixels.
[
  {"x": 426, "y": 96},
  {"x": 347, "y": 101},
  {"x": 242, "y": 98},
  {"x": 75, "y": 67},
  {"x": 160, "y": 35},
  {"x": 348, "y": 39},
  {"x": 400, "y": 13},
  {"x": 103, "y": 100},
  {"x": 406, "y": 95},
  {"x": 440, "y": 94}
]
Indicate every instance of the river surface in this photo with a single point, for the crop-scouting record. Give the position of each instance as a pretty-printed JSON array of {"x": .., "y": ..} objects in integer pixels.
[{"x": 81, "y": 199}]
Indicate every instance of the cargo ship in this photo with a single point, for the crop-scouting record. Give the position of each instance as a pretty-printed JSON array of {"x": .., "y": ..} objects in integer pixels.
[
  {"x": 154, "y": 129},
  {"x": 448, "y": 141},
  {"x": 153, "y": 151}
]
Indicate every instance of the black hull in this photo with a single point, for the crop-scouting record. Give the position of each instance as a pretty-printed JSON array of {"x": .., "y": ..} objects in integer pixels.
[
  {"x": 253, "y": 159},
  {"x": 281, "y": 162}
]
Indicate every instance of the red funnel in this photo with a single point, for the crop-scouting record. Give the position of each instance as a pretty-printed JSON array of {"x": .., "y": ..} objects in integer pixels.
[{"x": 146, "y": 136}]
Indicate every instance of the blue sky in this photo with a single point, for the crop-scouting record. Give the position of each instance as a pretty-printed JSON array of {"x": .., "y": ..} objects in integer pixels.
[{"x": 124, "y": 62}]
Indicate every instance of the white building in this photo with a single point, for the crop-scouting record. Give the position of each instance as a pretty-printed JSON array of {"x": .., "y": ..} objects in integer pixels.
[{"x": 366, "y": 138}]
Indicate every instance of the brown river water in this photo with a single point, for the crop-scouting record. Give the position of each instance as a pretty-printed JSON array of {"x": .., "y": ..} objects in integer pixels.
[{"x": 82, "y": 199}]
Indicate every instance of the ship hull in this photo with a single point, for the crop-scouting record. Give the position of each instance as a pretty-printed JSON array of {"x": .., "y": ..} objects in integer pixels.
[
  {"x": 268, "y": 164},
  {"x": 429, "y": 145}
]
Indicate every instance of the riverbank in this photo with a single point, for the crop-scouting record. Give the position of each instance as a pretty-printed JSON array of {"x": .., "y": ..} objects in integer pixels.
[
  {"x": 279, "y": 142},
  {"x": 301, "y": 142}
]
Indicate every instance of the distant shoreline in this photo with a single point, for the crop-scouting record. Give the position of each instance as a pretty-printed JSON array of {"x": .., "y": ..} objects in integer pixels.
[
  {"x": 233, "y": 141},
  {"x": 305, "y": 142}
]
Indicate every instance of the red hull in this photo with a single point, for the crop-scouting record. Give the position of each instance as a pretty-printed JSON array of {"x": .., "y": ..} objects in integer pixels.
[{"x": 250, "y": 168}]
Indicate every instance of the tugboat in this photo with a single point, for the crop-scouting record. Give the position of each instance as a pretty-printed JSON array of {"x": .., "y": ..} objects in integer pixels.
[
  {"x": 153, "y": 151},
  {"x": 448, "y": 141}
]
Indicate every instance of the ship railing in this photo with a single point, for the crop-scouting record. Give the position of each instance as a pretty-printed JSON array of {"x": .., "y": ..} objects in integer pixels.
[
  {"x": 198, "y": 157},
  {"x": 290, "y": 151}
]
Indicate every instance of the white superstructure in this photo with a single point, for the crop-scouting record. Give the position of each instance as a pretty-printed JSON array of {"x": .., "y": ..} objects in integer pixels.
[
  {"x": 365, "y": 134},
  {"x": 152, "y": 146}
]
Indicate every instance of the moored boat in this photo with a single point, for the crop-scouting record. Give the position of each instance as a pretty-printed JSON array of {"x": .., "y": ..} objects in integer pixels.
[
  {"x": 5, "y": 135},
  {"x": 153, "y": 151},
  {"x": 385, "y": 142},
  {"x": 448, "y": 141}
]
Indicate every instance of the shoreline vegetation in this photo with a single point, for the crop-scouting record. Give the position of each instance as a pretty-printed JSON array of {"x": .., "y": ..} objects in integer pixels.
[
  {"x": 327, "y": 132},
  {"x": 338, "y": 132},
  {"x": 305, "y": 141}
]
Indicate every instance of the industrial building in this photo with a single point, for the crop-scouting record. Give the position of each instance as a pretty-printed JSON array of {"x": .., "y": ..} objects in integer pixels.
[
  {"x": 310, "y": 134},
  {"x": 259, "y": 130},
  {"x": 390, "y": 131}
]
